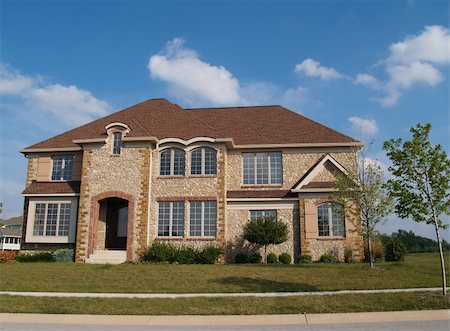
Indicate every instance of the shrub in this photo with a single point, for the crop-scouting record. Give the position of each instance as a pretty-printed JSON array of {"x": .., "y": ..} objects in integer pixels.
[
  {"x": 35, "y": 257},
  {"x": 241, "y": 258},
  {"x": 255, "y": 258},
  {"x": 328, "y": 258},
  {"x": 285, "y": 258},
  {"x": 159, "y": 252},
  {"x": 377, "y": 251},
  {"x": 209, "y": 255},
  {"x": 305, "y": 259},
  {"x": 184, "y": 255},
  {"x": 348, "y": 254},
  {"x": 7, "y": 256},
  {"x": 63, "y": 255},
  {"x": 272, "y": 258},
  {"x": 395, "y": 251}
]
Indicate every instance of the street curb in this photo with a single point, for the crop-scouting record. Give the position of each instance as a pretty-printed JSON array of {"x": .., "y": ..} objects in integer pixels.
[
  {"x": 210, "y": 295},
  {"x": 226, "y": 320}
]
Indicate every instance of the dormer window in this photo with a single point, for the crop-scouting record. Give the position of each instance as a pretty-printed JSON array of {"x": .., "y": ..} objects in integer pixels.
[
  {"x": 62, "y": 167},
  {"x": 117, "y": 143}
]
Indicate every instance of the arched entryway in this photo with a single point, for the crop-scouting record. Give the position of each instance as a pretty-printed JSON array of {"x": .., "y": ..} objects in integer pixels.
[{"x": 112, "y": 219}]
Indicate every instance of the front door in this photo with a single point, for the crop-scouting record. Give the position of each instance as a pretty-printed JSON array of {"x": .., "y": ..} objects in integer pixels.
[{"x": 116, "y": 224}]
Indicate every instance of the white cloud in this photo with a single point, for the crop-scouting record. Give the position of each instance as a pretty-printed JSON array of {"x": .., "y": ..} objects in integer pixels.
[
  {"x": 191, "y": 79},
  {"x": 312, "y": 68},
  {"x": 364, "y": 126},
  {"x": 412, "y": 61},
  {"x": 68, "y": 104}
]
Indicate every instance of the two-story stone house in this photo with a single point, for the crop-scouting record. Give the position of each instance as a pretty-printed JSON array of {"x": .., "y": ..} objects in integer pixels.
[{"x": 156, "y": 171}]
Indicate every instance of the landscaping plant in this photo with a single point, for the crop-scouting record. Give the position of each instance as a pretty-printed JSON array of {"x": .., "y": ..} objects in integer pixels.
[
  {"x": 395, "y": 251},
  {"x": 285, "y": 258},
  {"x": 272, "y": 258},
  {"x": 421, "y": 183},
  {"x": 305, "y": 258}
]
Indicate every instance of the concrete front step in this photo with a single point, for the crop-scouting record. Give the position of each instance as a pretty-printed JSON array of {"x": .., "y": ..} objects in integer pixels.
[{"x": 107, "y": 257}]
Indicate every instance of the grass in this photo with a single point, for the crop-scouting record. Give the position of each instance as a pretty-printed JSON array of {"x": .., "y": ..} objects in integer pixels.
[
  {"x": 228, "y": 306},
  {"x": 419, "y": 270}
]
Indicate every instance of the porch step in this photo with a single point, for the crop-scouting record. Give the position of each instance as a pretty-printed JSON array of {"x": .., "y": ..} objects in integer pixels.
[{"x": 107, "y": 257}]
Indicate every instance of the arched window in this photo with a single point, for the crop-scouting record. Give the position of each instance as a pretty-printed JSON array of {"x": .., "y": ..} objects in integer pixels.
[
  {"x": 331, "y": 220},
  {"x": 204, "y": 161},
  {"x": 172, "y": 162},
  {"x": 117, "y": 143}
]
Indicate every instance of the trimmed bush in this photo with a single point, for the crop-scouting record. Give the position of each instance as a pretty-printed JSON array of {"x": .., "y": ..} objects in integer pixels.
[
  {"x": 7, "y": 256},
  {"x": 255, "y": 258},
  {"x": 272, "y": 258},
  {"x": 241, "y": 258},
  {"x": 395, "y": 251},
  {"x": 328, "y": 258},
  {"x": 35, "y": 257},
  {"x": 305, "y": 259},
  {"x": 159, "y": 252},
  {"x": 209, "y": 255},
  {"x": 184, "y": 255},
  {"x": 63, "y": 255},
  {"x": 285, "y": 258}
]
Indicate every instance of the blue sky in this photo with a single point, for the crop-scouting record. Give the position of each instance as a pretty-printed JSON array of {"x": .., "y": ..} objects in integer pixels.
[{"x": 368, "y": 69}]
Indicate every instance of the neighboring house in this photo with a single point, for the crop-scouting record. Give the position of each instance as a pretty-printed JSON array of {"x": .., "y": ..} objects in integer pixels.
[
  {"x": 13, "y": 222},
  {"x": 158, "y": 172},
  {"x": 10, "y": 239}
]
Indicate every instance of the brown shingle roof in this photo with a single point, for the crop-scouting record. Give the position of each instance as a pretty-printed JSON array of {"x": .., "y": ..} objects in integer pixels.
[
  {"x": 319, "y": 185},
  {"x": 261, "y": 194},
  {"x": 245, "y": 125},
  {"x": 52, "y": 188}
]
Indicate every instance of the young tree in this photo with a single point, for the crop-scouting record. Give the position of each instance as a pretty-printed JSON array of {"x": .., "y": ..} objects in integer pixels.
[
  {"x": 421, "y": 187},
  {"x": 365, "y": 189},
  {"x": 265, "y": 231}
]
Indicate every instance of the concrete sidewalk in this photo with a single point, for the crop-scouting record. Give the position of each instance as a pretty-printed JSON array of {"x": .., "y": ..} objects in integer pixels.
[
  {"x": 226, "y": 320},
  {"x": 210, "y": 295}
]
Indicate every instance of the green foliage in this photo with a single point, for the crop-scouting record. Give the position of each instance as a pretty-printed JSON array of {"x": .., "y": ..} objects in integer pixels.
[
  {"x": 348, "y": 254},
  {"x": 159, "y": 252},
  {"x": 241, "y": 258},
  {"x": 328, "y": 258},
  {"x": 63, "y": 255},
  {"x": 35, "y": 257},
  {"x": 184, "y": 255},
  {"x": 415, "y": 243},
  {"x": 377, "y": 251},
  {"x": 7, "y": 256},
  {"x": 395, "y": 251},
  {"x": 272, "y": 258},
  {"x": 305, "y": 259},
  {"x": 285, "y": 258},
  {"x": 255, "y": 258},
  {"x": 208, "y": 255}
]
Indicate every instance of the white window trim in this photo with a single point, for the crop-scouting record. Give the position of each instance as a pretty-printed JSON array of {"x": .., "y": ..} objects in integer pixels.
[
  {"x": 202, "y": 220},
  {"x": 263, "y": 210},
  {"x": 172, "y": 162},
  {"x": 170, "y": 220},
  {"x": 63, "y": 166},
  {"x": 255, "y": 169},
  {"x": 202, "y": 161},
  {"x": 31, "y": 238},
  {"x": 114, "y": 142},
  {"x": 330, "y": 221}
]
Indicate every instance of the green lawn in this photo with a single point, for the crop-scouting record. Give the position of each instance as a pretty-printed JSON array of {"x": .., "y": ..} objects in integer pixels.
[
  {"x": 229, "y": 306},
  {"x": 419, "y": 270}
]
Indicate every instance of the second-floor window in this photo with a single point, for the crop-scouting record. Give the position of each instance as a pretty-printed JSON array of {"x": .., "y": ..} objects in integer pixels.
[
  {"x": 255, "y": 214},
  {"x": 262, "y": 168},
  {"x": 117, "y": 143},
  {"x": 204, "y": 161},
  {"x": 172, "y": 162},
  {"x": 62, "y": 167}
]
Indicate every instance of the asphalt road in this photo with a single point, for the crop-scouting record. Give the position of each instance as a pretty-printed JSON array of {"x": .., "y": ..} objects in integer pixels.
[{"x": 385, "y": 326}]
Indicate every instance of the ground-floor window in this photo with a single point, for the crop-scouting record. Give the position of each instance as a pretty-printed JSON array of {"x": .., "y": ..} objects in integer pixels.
[
  {"x": 255, "y": 214},
  {"x": 9, "y": 240},
  {"x": 171, "y": 219},
  {"x": 203, "y": 218},
  {"x": 52, "y": 219},
  {"x": 331, "y": 220}
]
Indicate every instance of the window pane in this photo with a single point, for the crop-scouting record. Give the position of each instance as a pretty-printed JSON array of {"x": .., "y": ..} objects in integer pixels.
[
  {"x": 262, "y": 168},
  {"x": 117, "y": 143},
  {"x": 165, "y": 163},
  {"x": 254, "y": 214},
  {"x": 249, "y": 168},
  {"x": 52, "y": 218},
  {"x": 338, "y": 220},
  {"x": 177, "y": 219},
  {"x": 275, "y": 168},
  {"x": 68, "y": 166},
  {"x": 62, "y": 167},
  {"x": 164, "y": 219},
  {"x": 196, "y": 161},
  {"x": 57, "y": 168},
  {"x": 39, "y": 219},
  {"x": 210, "y": 161},
  {"x": 195, "y": 219},
  {"x": 64, "y": 219},
  {"x": 178, "y": 162},
  {"x": 323, "y": 221},
  {"x": 210, "y": 218}
]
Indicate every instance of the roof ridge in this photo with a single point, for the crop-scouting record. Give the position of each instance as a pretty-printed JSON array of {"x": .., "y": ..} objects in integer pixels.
[{"x": 258, "y": 106}]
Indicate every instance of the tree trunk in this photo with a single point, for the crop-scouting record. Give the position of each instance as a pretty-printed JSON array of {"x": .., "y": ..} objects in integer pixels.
[
  {"x": 369, "y": 249},
  {"x": 441, "y": 255},
  {"x": 265, "y": 254}
]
